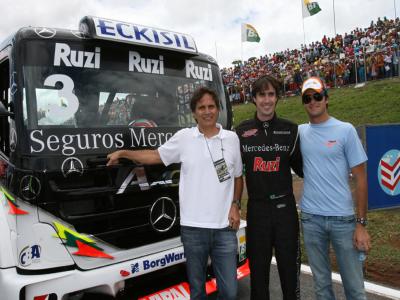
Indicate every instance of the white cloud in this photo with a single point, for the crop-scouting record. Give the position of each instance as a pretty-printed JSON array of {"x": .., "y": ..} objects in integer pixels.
[{"x": 214, "y": 24}]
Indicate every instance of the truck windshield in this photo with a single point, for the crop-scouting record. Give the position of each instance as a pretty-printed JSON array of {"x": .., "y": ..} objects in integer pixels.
[{"x": 87, "y": 84}]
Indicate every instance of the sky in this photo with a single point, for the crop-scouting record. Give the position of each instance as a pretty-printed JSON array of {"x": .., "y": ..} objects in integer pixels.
[{"x": 215, "y": 25}]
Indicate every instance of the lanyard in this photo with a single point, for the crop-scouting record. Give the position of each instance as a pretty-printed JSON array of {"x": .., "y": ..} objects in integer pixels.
[
  {"x": 220, "y": 165},
  {"x": 222, "y": 149}
]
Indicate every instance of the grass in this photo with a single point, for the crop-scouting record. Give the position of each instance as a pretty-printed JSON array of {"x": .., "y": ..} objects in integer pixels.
[{"x": 375, "y": 103}]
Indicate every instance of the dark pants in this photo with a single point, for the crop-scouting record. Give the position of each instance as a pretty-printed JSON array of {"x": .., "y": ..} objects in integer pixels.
[{"x": 273, "y": 224}]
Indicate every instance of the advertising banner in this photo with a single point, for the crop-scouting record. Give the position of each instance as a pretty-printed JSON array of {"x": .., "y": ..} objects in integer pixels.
[{"x": 383, "y": 150}]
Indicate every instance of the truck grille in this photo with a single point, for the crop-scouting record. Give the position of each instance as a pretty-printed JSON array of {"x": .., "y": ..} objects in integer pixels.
[{"x": 91, "y": 204}]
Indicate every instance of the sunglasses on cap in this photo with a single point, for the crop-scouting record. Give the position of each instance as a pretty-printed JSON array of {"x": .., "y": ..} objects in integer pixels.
[{"x": 316, "y": 96}]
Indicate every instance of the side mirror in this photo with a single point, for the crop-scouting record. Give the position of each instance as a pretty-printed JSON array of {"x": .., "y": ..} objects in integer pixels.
[{"x": 4, "y": 112}]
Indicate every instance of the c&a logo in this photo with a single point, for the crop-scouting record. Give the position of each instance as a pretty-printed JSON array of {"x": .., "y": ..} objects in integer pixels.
[
  {"x": 30, "y": 254},
  {"x": 389, "y": 172}
]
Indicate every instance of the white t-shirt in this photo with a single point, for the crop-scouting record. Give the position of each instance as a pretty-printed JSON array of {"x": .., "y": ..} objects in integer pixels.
[{"x": 204, "y": 200}]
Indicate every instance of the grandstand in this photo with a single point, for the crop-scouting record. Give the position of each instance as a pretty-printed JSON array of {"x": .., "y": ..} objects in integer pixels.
[{"x": 363, "y": 54}]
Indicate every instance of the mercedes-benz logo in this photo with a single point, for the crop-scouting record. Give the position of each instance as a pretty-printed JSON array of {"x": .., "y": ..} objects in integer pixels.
[
  {"x": 78, "y": 34},
  {"x": 13, "y": 139},
  {"x": 163, "y": 214},
  {"x": 211, "y": 59},
  {"x": 13, "y": 83},
  {"x": 46, "y": 33},
  {"x": 71, "y": 165},
  {"x": 29, "y": 187}
]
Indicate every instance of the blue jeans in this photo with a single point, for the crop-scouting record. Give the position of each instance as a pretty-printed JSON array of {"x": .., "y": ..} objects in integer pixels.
[
  {"x": 319, "y": 232},
  {"x": 221, "y": 246}
]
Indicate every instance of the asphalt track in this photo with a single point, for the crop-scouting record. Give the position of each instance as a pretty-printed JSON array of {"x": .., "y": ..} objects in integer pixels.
[{"x": 375, "y": 292}]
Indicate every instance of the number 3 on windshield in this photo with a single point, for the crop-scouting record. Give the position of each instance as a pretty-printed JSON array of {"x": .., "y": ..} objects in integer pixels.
[{"x": 64, "y": 110}]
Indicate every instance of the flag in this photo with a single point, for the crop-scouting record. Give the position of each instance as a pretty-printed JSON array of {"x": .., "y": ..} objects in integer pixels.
[
  {"x": 249, "y": 33},
  {"x": 310, "y": 8}
]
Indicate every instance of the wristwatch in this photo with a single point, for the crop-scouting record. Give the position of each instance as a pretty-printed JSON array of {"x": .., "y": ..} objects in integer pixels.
[
  {"x": 362, "y": 221},
  {"x": 237, "y": 203}
]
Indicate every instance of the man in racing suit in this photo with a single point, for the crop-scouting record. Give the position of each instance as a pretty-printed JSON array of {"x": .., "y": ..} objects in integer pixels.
[{"x": 270, "y": 148}]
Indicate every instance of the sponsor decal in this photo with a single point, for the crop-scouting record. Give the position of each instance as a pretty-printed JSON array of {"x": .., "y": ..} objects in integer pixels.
[
  {"x": 15, "y": 210},
  {"x": 124, "y": 273},
  {"x": 389, "y": 172},
  {"x": 181, "y": 291},
  {"x": 157, "y": 263},
  {"x": 266, "y": 148},
  {"x": 330, "y": 144},
  {"x": 86, "y": 246},
  {"x": 29, "y": 187},
  {"x": 152, "y": 139},
  {"x": 281, "y": 132},
  {"x": 266, "y": 166},
  {"x": 145, "y": 65},
  {"x": 250, "y": 132},
  {"x": 243, "y": 271},
  {"x": 48, "y": 141},
  {"x": 29, "y": 255},
  {"x": 67, "y": 144},
  {"x": 88, "y": 250},
  {"x": 75, "y": 58},
  {"x": 242, "y": 248},
  {"x": 46, "y": 33},
  {"x": 137, "y": 176},
  {"x": 46, "y": 297},
  {"x": 197, "y": 72},
  {"x": 135, "y": 268},
  {"x": 177, "y": 292},
  {"x": 71, "y": 165},
  {"x": 163, "y": 214},
  {"x": 14, "y": 207},
  {"x": 62, "y": 230},
  {"x": 144, "y": 35},
  {"x": 141, "y": 180},
  {"x": 69, "y": 103}
]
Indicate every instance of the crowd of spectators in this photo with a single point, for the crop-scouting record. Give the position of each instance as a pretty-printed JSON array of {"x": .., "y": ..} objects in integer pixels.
[{"x": 363, "y": 54}]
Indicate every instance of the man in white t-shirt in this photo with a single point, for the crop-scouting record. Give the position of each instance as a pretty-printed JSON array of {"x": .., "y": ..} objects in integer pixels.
[
  {"x": 331, "y": 150},
  {"x": 210, "y": 189}
]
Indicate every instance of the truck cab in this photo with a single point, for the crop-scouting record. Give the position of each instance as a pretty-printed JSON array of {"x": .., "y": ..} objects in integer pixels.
[{"x": 68, "y": 223}]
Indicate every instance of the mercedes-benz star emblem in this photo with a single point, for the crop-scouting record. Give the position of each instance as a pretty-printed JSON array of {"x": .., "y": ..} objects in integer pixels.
[
  {"x": 29, "y": 187},
  {"x": 13, "y": 139},
  {"x": 163, "y": 214},
  {"x": 13, "y": 83},
  {"x": 78, "y": 34},
  {"x": 46, "y": 33},
  {"x": 71, "y": 165}
]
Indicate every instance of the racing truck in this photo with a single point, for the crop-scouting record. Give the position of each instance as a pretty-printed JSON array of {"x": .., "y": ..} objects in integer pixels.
[{"x": 69, "y": 225}]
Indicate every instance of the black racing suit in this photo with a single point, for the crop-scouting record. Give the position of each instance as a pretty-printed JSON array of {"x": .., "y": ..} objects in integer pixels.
[{"x": 269, "y": 150}]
